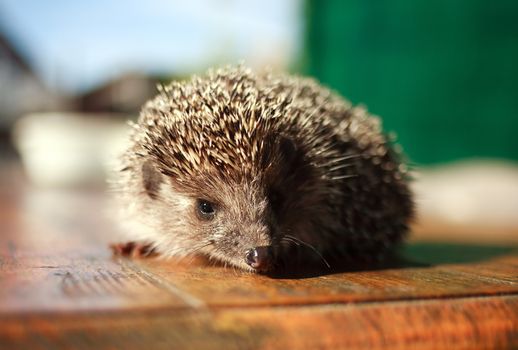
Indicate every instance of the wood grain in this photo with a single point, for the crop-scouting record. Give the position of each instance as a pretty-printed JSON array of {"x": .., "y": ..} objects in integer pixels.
[
  {"x": 61, "y": 288},
  {"x": 466, "y": 323}
]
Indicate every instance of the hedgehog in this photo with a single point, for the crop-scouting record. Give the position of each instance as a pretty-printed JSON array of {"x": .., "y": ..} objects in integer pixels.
[{"x": 261, "y": 171}]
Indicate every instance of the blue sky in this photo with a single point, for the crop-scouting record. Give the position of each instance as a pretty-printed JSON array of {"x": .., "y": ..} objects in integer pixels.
[{"x": 74, "y": 45}]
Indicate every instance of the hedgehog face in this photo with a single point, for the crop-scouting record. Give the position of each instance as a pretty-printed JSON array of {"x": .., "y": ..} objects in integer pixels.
[
  {"x": 244, "y": 219},
  {"x": 239, "y": 220},
  {"x": 207, "y": 214},
  {"x": 235, "y": 221}
]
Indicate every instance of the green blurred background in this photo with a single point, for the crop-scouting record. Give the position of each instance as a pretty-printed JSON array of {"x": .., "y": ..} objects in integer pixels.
[{"x": 442, "y": 74}]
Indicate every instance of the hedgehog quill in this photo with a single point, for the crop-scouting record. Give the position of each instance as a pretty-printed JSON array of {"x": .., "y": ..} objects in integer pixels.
[{"x": 260, "y": 171}]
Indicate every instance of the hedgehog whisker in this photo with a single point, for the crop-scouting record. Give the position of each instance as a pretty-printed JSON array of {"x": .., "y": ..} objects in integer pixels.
[
  {"x": 190, "y": 256},
  {"x": 299, "y": 242},
  {"x": 343, "y": 177},
  {"x": 198, "y": 248},
  {"x": 288, "y": 240}
]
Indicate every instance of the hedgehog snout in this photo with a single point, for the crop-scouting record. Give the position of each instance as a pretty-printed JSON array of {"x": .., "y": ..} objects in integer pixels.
[{"x": 259, "y": 258}]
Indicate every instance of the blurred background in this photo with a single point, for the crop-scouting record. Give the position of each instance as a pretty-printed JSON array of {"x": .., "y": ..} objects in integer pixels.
[{"x": 443, "y": 76}]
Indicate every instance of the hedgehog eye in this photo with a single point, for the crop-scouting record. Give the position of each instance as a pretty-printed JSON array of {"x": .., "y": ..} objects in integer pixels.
[{"x": 206, "y": 210}]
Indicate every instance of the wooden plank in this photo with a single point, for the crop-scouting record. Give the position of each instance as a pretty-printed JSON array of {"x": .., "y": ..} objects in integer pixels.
[
  {"x": 488, "y": 323},
  {"x": 84, "y": 283},
  {"x": 220, "y": 287},
  {"x": 99, "y": 282},
  {"x": 96, "y": 282}
]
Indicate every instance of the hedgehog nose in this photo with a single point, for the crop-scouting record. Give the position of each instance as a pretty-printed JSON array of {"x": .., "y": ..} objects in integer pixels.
[{"x": 258, "y": 258}]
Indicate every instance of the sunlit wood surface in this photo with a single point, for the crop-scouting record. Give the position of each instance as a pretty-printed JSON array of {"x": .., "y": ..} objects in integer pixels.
[{"x": 60, "y": 287}]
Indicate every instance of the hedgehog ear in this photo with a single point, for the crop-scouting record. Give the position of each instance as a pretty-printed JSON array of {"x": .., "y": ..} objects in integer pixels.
[
  {"x": 288, "y": 149},
  {"x": 151, "y": 179}
]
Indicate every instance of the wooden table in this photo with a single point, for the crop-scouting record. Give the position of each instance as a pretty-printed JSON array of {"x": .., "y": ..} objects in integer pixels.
[{"x": 61, "y": 288}]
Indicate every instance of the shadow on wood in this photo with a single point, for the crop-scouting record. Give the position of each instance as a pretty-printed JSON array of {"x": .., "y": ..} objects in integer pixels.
[{"x": 410, "y": 255}]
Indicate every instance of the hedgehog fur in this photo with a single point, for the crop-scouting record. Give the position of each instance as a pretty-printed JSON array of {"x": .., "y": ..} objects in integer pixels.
[{"x": 254, "y": 170}]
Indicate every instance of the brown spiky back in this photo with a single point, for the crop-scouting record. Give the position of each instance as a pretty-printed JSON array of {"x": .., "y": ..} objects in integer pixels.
[{"x": 228, "y": 121}]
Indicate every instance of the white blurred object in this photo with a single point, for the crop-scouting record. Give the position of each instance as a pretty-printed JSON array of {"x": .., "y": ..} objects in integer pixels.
[
  {"x": 475, "y": 199},
  {"x": 69, "y": 149}
]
